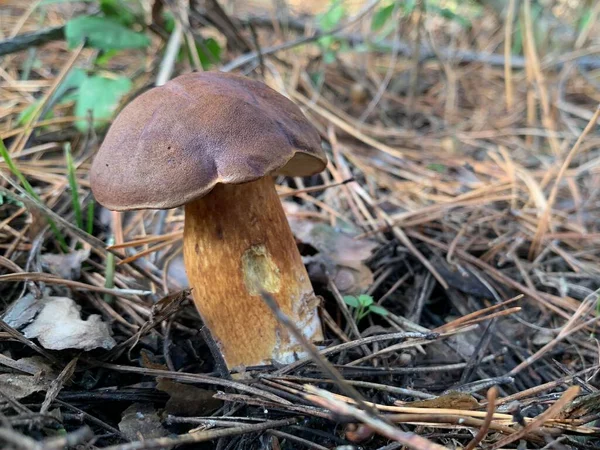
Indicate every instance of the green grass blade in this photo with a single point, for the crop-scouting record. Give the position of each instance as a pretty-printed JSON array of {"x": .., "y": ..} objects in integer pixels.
[
  {"x": 74, "y": 186},
  {"x": 90, "y": 217},
  {"x": 109, "y": 275},
  {"x": 17, "y": 173}
]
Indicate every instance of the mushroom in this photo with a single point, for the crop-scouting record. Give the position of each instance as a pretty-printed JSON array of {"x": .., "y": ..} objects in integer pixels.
[{"x": 213, "y": 142}]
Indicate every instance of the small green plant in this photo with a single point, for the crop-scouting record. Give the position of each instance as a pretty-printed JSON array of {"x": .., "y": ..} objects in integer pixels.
[
  {"x": 90, "y": 217},
  {"x": 65, "y": 92},
  {"x": 103, "y": 33},
  {"x": 119, "y": 26},
  {"x": 328, "y": 21},
  {"x": 73, "y": 185},
  {"x": 380, "y": 21},
  {"x": 99, "y": 95},
  {"x": 363, "y": 306}
]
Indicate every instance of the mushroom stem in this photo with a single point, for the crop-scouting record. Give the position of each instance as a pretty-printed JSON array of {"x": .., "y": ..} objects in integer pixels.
[{"x": 237, "y": 242}]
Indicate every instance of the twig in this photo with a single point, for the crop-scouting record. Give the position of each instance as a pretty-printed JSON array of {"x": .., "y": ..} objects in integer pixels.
[
  {"x": 57, "y": 384},
  {"x": 251, "y": 56},
  {"x": 195, "y": 378},
  {"x": 390, "y": 70},
  {"x": 325, "y": 365},
  {"x": 71, "y": 439},
  {"x": 482, "y": 433},
  {"x": 32, "y": 204},
  {"x": 416, "y": 57},
  {"x": 550, "y": 413},
  {"x": 508, "y": 29},
  {"x": 33, "y": 39},
  {"x": 168, "y": 62},
  {"x": 297, "y": 440},
  {"x": 202, "y": 436},
  {"x": 546, "y": 217},
  {"x": 358, "y": 342},
  {"x": 53, "y": 279},
  {"x": 19, "y": 337},
  {"x": 411, "y": 440}
]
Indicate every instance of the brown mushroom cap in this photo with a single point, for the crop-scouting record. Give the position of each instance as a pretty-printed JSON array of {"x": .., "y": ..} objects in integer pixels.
[{"x": 174, "y": 143}]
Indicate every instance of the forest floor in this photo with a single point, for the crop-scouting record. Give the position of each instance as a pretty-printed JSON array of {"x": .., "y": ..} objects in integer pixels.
[{"x": 453, "y": 239}]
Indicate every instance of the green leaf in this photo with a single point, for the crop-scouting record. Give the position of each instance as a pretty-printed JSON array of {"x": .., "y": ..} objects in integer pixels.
[
  {"x": 72, "y": 177},
  {"x": 381, "y": 16},
  {"x": 332, "y": 17},
  {"x": 585, "y": 19},
  {"x": 450, "y": 15},
  {"x": 101, "y": 96},
  {"x": 169, "y": 21},
  {"x": 71, "y": 81},
  {"x": 408, "y": 7},
  {"x": 329, "y": 56},
  {"x": 317, "y": 77},
  {"x": 375, "y": 309},
  {"x": 27, "y": 113},
  {"x": 103, "y": 33},
  {"x": 365, "y": 300},
  {"x": 440, "y": 168},
  {"x": 90, "y": 217},
  {"x": 350, "y": 300},
  {"x": 209, "y": 53},
  {"x": 104, "y": 57},
  {"x": 117, "y": 10}
]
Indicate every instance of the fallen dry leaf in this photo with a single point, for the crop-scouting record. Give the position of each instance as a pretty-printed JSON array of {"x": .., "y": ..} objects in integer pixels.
[
  {"x": 339, "y": 253},
  {"x": 451, "y": 400},
  {"x": 65, "y": 265},
  {"x": 187, "y": 400},
  {"x": 58, "y": 326},
  {"x": 18, "y": 386},
  {"x": 140, "y": 421},
  {"x": 22, "y": 311}
]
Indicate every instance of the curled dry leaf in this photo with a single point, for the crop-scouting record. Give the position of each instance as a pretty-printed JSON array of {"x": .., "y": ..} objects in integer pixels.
[
  {"x": 184, "y": 399},
  {"x": 18, "y": 386},
  {"x": 587, "y": 405},
  {"x": 57, "y": 324},
  {"x": 188, "y": 400},
  {"x": 339, "y": 253},
  {"x": 67, "y": 266},
  {"x": 140, "y": 421},
  {"x": 451, "y": 400},
  {"x": 462, "y": 278},
  {"x": 543, "y": 337},
  {"x": 22, "y": 312}
]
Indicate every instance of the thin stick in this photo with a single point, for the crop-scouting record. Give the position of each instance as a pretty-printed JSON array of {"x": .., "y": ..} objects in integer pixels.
[
  {"x": 327, "y": 400},
  {"x": 308, "y": 190},
  {"x": 545, "y": 219},
  {"x": 482, "y": 433},
  {"x": 547, "y": 119},
  {"x": 20, "y": 142},
  {"x": 325, "y": 365},
  {"x": 147, "y": 240},
  {"x": 202, "y": 436},
  {"x": 168, "y": 62},
  {"x": 569, "y": 395},
  {"x": 508, "y": 29}
]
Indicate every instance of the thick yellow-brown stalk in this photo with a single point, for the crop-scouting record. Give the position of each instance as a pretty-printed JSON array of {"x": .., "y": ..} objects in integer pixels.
[{"x": 237, "y": 242}]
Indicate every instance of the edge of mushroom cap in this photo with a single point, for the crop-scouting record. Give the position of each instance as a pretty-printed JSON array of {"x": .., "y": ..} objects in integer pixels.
[
  {"x": 293, "y": 161},
  {"x": 169, "y": 204}
]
